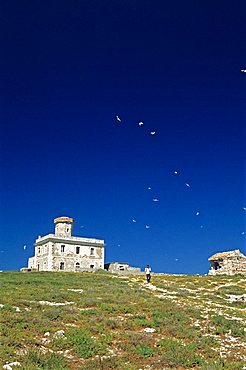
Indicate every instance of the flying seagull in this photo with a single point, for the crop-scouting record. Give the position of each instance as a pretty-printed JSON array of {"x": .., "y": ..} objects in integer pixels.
[
  {"x": 118, "y": 118},
  {"x": 243, "y": 70},
  {"x": 175, "y": 172},
  {"x": 197, "y": 213},
  {"x": 188, "y": 185},
  {"x": 152, "y": 133},
  {"x": 133, "y": 220},
  {"x": 24, "y": 247},
  {"x": 155, "y": 200},
  {"x": 149, "y": 188},
  {"x": 140, "y": 123},
  {"x": 244, "y": 208},
  {"x": 147, "y": 226}
]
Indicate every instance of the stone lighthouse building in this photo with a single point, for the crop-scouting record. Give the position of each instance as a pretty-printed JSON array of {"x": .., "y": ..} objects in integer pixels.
[{"x": 63, "y": 252}]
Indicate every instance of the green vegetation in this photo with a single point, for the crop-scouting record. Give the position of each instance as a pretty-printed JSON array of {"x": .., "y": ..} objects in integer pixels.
[
  {"x": 103, "y": 321},
  {"x": 223, "y": 326}
]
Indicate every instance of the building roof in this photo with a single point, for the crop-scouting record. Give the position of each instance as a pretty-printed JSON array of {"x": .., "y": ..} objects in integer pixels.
[
  {"x": 119, "y": 263},
  {"x": 222, "y": 255},
  {"x": 63, "y": 219},
  {"x": 70, "y": 240}
]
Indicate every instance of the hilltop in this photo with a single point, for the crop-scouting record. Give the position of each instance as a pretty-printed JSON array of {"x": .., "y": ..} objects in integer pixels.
[{"x": 107, "y": 321}]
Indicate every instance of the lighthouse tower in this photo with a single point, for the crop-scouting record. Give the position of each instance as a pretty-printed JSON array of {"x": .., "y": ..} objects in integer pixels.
[{"x": 63, "y": 226}]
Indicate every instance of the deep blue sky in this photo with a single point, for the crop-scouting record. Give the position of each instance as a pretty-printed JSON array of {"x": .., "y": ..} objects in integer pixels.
[{"x": 67, "y": 69}]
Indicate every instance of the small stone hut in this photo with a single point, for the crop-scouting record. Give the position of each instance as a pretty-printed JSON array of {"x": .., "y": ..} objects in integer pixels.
[
  {"x": 228, "y": 263},
  {"x": 121, "y": 267}
]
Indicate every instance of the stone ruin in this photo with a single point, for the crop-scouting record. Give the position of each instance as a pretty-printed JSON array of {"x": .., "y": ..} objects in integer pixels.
[
  {"x": 121, "y": 268},
  {"x": 228, "y": 263}
]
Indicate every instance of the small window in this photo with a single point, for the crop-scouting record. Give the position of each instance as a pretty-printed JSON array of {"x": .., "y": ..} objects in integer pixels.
[
  {"x": 39, "y": 249},
  {"x": 67, "y": 230},
  {"x": 77, "y": 250},
  {"x": 62, "y": 265},
  {"x": 77, "y": 266},
  {"x": 92, "y": 266},
  {"x": 216, "y": 265},
  {"x": 38, "y": 266},
  {"x": 92, "y": 252},
  {"x": 62, "y": 248}
]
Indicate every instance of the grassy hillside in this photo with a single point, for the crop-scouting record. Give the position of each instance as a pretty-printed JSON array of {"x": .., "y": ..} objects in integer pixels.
[{"x": 104, "y": 321}]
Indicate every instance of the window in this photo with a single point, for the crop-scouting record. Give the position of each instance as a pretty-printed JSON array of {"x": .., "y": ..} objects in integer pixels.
[
  {"x": 62, "y": 248},
  {"x": 39, "y": 249},
  {"x": 92, "y": 252},
  {"x": 67, "y": 230},
  {"x": 77, "y": 250},
  {"x": 77, "y": 266},
  {"x": 216, "y": 265},
  {"x": 62, "y": 265},
  {"x": 92, "y": 266},
  {"x": 38, "y": 266}
]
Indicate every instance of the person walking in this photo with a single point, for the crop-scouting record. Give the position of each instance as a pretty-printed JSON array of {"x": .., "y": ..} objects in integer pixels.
[{"x": 147, "y": 273}]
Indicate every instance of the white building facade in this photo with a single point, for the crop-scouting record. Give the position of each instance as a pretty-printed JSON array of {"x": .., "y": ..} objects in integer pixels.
[{"x": 63, "y": 252}]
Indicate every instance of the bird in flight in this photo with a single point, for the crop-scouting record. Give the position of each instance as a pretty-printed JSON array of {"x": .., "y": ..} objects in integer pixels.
[
  {"x": 140, "y": 123},
  {"x": 118, "y": 118},
  {"x": 152, "y": 133},
  {"x": 244, "y": 208},
  {"x": 149, "y": 188},
  {"x": 24, "y": 247},
  {"x": 147, "y": 226},
  {"x": 243, "y": 70},
  {"x": 155, "y": 200},
  {"x": 175, "y": 172},
  {"x": 197, "y": 213},
  {"x": 188, "y": 185},
  {"x": 133, "y": 220}
]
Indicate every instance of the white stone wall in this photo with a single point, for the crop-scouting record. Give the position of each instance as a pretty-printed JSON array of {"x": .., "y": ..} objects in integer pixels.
[
  {"x": 63, "y": 229},
  {"x": 32, "y": 263},
  {"x": 230, "y": 266},
  {"x": 87, "y": 257}
]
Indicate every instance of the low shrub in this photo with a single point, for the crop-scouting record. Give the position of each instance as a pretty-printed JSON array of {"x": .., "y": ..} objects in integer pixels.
[
  {"x": 84, "y": 345},
  {"x": 174, "y": 353},
  {"x": 144, "y": 351},
  {"x": 36, "y": 360}
]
